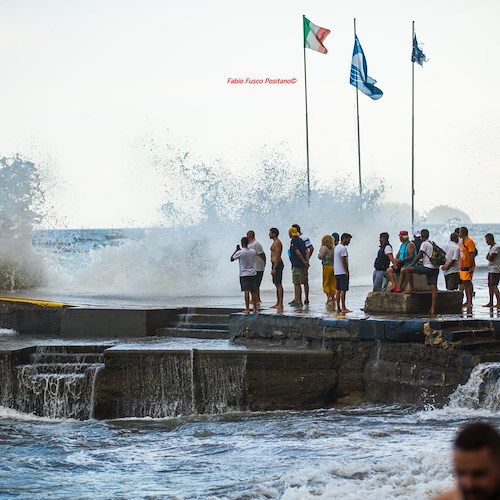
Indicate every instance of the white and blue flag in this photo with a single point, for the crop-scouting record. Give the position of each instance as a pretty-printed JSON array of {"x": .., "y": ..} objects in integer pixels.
[
  {"x": 359, "y": 73},
  {"x": 417, "y": 56}
]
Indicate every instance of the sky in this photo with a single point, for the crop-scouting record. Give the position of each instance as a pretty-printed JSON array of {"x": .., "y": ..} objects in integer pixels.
[{"x": 88, "y": 86}]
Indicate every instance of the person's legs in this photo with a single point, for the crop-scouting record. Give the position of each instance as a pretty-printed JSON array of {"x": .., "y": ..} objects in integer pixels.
[
  {"x": 468, "y": 295},
  {"x": 408, "y": 275},
  {"x": 306, "y": 286},
  {"x": 279, "y": 293},
  {"x": 391, "y": 276},
  {"x": 378, "y": 277},
  {"x": 434, "y": 295},
  {"x": 254, "y": 300},
  {"x": 247, "y": 301}
]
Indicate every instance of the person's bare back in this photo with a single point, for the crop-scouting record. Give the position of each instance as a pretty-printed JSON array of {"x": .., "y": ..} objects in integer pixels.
[{"x": 276, "y": 251}]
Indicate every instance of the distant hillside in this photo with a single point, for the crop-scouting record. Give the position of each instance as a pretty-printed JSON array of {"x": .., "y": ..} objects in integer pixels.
[{"x": 443, "y": 214}]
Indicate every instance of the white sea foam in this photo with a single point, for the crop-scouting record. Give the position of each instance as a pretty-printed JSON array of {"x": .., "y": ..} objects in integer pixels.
[{"x": 7, "y": 332}]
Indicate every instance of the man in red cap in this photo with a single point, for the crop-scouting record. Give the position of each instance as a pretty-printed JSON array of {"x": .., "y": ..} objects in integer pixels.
[{"x": 404, "y": 257}]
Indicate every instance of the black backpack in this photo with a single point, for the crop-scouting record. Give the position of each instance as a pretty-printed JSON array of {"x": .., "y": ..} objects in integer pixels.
[{"x": 438, "y": 257}]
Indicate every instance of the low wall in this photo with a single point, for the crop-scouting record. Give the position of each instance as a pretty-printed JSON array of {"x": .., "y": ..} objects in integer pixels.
[
  {"x": 378, "y": 360},
  {"x": 163, "y": 383}
]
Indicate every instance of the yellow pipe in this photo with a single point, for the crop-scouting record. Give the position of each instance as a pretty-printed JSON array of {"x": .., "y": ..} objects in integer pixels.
[{"x": 42, "y": 303}]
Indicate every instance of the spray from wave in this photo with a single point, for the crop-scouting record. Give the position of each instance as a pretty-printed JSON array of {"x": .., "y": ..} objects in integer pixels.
[
  {"x": 207, "y": 207},
  {"x": 21, "y": 208}
]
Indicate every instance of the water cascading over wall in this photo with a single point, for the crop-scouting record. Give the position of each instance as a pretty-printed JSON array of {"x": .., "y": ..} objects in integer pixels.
[
  {"x": 482, "y": 390},
  {"x": 162, "y": 384},
  {"x": 55, "y": 382}
]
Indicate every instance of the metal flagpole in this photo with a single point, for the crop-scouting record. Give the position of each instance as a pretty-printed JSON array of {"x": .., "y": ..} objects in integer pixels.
[
  {"x": 359, "y": 140},
  {"x": 307, "y": 124},
  {"x": 412, "y": 133}
]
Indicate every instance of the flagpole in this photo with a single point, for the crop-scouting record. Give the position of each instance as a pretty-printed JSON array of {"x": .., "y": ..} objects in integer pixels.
[
  {"x": 307, "y": 125},
  {"x": 412, "y": 134},
  {"x": 359, "y": 140}
]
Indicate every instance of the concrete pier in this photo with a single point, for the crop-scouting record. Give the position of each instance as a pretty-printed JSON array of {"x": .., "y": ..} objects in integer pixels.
[{"x": 266, "y": 361}]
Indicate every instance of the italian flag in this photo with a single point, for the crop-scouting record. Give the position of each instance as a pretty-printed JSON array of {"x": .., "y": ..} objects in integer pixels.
[{"x": 314, "y": 36}]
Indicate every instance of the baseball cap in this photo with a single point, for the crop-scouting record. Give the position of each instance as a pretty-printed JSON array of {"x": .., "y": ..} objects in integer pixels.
[
  {"x": 417, "y": 234},
  {"x": 403, "y": 233},
  {"x": 293, "y": 231}
]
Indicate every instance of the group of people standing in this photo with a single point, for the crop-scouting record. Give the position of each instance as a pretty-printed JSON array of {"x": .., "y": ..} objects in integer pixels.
[
  {"x": 333, "y": 255},
  {"x": 421, "y": 256}
]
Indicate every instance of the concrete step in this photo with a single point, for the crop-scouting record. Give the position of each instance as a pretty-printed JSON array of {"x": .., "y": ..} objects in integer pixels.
[
  {"x": 201, "y": 326},
  {"x": 473, "y": 334},
  {"x": 62, "y": 357},
  {"x": 210, "y": 310},
  {"x": 204, "y": 318},
  {"x": 195, "y": 333}
]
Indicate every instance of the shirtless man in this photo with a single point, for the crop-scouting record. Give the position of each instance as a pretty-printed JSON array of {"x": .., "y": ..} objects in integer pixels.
[
  {"x": 476, "y": 461},
  {"x": 277, "y": 266}
]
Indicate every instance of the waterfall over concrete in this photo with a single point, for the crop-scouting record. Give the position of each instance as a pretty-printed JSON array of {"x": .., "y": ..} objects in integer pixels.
[
  {"x": 482, "y": 390},
  {"x": 58, "y": 383}
]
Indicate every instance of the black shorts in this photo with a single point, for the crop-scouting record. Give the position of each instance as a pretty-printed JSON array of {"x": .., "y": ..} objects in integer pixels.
[
  {"x": 493, "y": 279},
  {"x": 278, "y": 275},
  {"x": 258, "y": 277},
  {"x": 430, "y": 273},
  {"x": 342, "y": 282},
  {"x": 248, "y": 283},
  {"x": 452, "y": 281}
]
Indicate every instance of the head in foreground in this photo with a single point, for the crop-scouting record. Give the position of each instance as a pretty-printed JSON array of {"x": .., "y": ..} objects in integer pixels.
[{"x": 476, "y": 463}]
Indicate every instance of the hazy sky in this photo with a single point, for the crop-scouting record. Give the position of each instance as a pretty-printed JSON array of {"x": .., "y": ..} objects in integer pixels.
[{"x": 86, "y": 84}]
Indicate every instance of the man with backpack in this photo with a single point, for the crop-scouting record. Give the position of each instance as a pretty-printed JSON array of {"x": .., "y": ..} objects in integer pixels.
[{"x": 433, "y": 257}]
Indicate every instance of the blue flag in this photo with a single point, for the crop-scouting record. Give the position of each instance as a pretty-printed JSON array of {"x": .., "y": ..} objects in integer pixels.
[
  {"x": 417, "y": 56},
  {"x": 359, "y": 73}
]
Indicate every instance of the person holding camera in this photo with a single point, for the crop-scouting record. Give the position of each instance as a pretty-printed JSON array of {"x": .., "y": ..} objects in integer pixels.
[{"x": 248, "y": 274}]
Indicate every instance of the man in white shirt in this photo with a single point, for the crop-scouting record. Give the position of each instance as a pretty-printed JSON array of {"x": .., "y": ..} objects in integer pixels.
[
  {"x": 260, "y": 260},
  {"x": 248, "y": 281},
  {"x": 427, "y": 267},
  {"x": 493, "y": 259},
  {"x": 341, "y": 270},
  {"x": 451, "y": 268}
]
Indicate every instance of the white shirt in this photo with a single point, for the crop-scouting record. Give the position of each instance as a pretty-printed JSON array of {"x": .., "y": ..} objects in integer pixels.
[
  {"x": 494, "y": 265},
  {"x": 260, "y": 265},
  {"x": 246, "y": 260},
  {"x": 387, "y": 249},
  {"x": 338, "y": 265},
  {"x": 306, "y": 240},
  {"x": 426, "y": 248},
  {"x": 452, "y": 253}
]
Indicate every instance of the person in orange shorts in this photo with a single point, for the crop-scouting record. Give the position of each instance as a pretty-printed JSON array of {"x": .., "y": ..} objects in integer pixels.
[{"x": 468, "y": 254}]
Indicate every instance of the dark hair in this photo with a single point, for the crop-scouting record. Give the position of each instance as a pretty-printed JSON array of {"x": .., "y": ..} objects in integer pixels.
[
  {"x": 489, "y": 235},
  {"x": 457, "y": 229},
  {"x": 464, "y": 230},
  {"x": 454, "y": 237},
  {"x": 274, "y": 231},
  {"x": 385, "y": 235},
  {"x": 479, "y": 435},
  {"x": 425, "y": 233},
  {"x": 345, "y": 235},
  {"x": 297, "y": 227},
  {"x": 244, "y": 241}
]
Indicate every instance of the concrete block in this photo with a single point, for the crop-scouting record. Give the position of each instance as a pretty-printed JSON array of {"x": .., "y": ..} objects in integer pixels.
[
  {"x": 415, "y": 303},
  {"x": 83, "y": 322}
]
